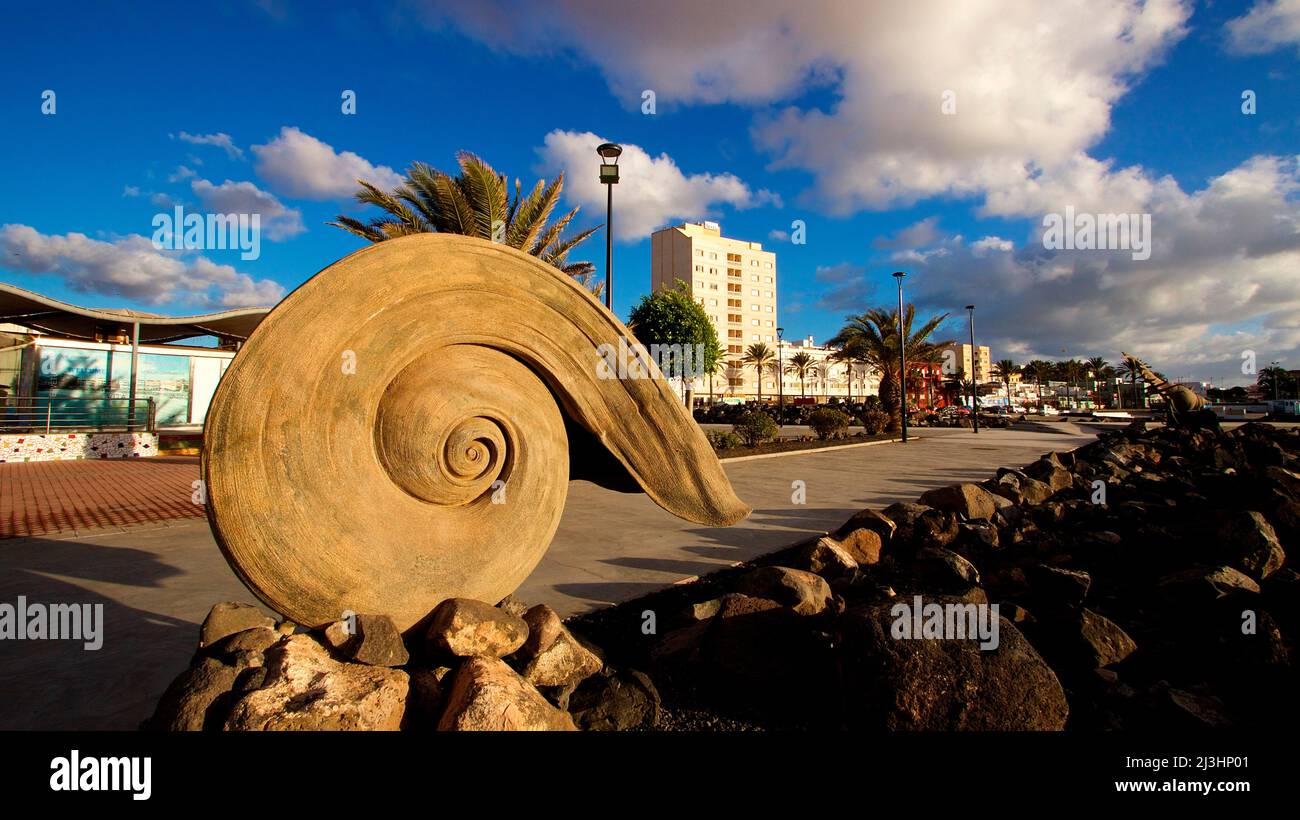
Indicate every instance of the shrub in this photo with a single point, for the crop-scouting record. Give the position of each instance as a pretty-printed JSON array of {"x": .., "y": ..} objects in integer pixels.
[
  {"x": 829, "y": 423},
  {"x": 874, "y": 420},
  {"x": 755, "y": 427},
  {"x": 722, "y": 440}
]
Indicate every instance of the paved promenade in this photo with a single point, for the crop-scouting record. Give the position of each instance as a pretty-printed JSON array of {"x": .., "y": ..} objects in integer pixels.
[{"x": 156, "y": 582}]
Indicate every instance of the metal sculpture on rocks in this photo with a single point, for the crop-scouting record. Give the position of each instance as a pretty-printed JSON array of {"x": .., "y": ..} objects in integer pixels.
[{"x": 403, "y": 427}]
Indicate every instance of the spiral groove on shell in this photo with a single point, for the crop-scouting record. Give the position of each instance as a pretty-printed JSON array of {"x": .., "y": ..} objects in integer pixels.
[{"x": 437, "y": 466}]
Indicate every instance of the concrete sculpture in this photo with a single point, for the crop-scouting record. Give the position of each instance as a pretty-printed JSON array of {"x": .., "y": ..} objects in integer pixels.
[{"x": 403, "y": 427}]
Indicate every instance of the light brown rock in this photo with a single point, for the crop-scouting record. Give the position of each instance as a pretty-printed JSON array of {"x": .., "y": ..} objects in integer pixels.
[
  {"x": 487, "y": 695},
  {"x": 306, "y": 689},
  {"x": 552, "y": 656},
  {"x": 465, "y": 627}
]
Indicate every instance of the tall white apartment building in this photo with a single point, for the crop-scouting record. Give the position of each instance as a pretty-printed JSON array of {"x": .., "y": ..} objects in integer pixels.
[{"x": 735, "y": 282}]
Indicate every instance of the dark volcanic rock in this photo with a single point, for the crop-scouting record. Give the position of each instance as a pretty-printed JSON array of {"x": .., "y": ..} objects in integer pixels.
[{"x": 944, "y": 685}]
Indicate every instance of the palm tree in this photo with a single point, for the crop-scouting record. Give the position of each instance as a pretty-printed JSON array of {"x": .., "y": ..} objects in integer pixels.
[
  {"x": 1037, "y": 369},
  {"x": 1073, "y": 369},
  {"x": 1131, "y": 367},
  {"x": 801, "y": 364},
  {"x": 720, "y": 366},
  {"x": 931, "y": 357},
  {"x": 475, "y": 203},
  {"x": 818, "y": 372},
  {"x": 758, "y": 356},
  {"x": 1006, "y": 369},
  {"x": 873, "y": 337},
  {"x": 847, "y": 358},
  {"x": 1274, "y": 381}
]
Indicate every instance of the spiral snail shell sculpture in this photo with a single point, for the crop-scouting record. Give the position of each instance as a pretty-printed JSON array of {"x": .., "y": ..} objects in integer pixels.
[{"x": 402, "y": 429}]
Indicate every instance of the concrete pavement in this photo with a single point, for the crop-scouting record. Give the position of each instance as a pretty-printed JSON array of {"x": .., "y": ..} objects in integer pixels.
[{"x": 156, "y": 583}]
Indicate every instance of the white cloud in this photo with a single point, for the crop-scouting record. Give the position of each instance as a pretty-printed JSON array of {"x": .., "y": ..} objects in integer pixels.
[
  {"x": 222, "y": 141},
  {"x": 991, "y": 243},
  {"x": 131, "y": 267},
  {"x": 1034, "y": 82},
  {"x": 1221, "y": 279},
  {"x": 652, "y": 191},
  {"x": 131, "y": 190},
  {"x": 298, "y": 165},
  {"x": 917, "y": 235},
  {"x": 181, "y": 173},
  {"x": 1270, "y": 25},
  {"x": 230, "y": 197}
]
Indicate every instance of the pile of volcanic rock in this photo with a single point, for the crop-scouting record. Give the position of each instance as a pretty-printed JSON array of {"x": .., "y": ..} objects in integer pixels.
[
  {"x": 473, "y": 667},
  {"x": 1140, "y": 582}
]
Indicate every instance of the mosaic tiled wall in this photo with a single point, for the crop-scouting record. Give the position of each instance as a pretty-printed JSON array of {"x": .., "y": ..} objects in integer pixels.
[{"x": 61, "y": 446}]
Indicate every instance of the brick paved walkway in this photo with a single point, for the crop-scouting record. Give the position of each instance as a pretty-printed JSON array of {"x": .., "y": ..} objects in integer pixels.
[{"x": 65, "y": 496}]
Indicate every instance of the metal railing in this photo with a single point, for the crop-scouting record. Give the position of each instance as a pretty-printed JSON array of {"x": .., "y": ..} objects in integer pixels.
[{"x": 50, "y": 414}]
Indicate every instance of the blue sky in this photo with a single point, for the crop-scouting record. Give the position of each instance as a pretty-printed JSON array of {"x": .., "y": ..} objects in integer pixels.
[{"x": 765, "y": 114}]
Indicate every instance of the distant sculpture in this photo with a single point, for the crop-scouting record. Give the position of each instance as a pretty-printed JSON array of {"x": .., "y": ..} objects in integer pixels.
[
  {"x": 403, "y": 427},
  {"x": 1183, "y": 408}
]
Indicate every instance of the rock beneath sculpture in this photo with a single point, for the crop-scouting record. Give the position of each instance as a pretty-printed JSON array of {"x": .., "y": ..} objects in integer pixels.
[
  {"x": 306, "y": 689},
  {"x": 487, "y": 695},
  {"x": 369, "y": 639},
  {"x": 230, "y": 617},
  {"x": 804, "y": 592},
  {"x": 184, "y": 706},
  {"x": 552, "y": 656},
  {"x": 255, "y": 641},
  {"x": 969, "y": 500},
  {"x": 465, "y": 627},
  {"x": 944, "y": 685}
]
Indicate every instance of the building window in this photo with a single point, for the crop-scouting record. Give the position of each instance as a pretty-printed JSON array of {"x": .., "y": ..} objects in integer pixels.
[
  {"x": 735, "y": 334},
  {"x": 713, "y": 286},
  {"x": 767, "y": 265},
  {"x": 734, "y": 349},
  {"x": 753, "y": 278},
  {"x": 753, "y": 293},
  {"x": 768, "y": 294},
  {"x": 732, "y": 287},
  {"x": 767, "y": 280},
  {"x": 713, "y": 303},
  {"x": 713, "y": 256},
  {"x": 753, "y": 263},
  {"x": 754, "y": 322},
  {"x": 734, "y": 318},
  {"x": 733, "y": 303},
  {"x": 767, "y": 308}
]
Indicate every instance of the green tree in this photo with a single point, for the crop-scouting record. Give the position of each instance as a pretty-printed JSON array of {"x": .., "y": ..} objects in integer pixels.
[
  {"x": 873, "y": 337},
  {"x": 760, "y": 357},
  {"x": 475, "y": 203},
  {"x": 672, "y": 317}
]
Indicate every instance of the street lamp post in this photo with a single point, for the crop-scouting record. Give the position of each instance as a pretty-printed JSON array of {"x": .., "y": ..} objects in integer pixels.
[
  {"x": 780, "y": 379},
  {"x": 609, "y": 153},
  {"x": 902, "y": 357},
  {"x": 974, "y": 379},
  {"x": 1273, "y": 377}
]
